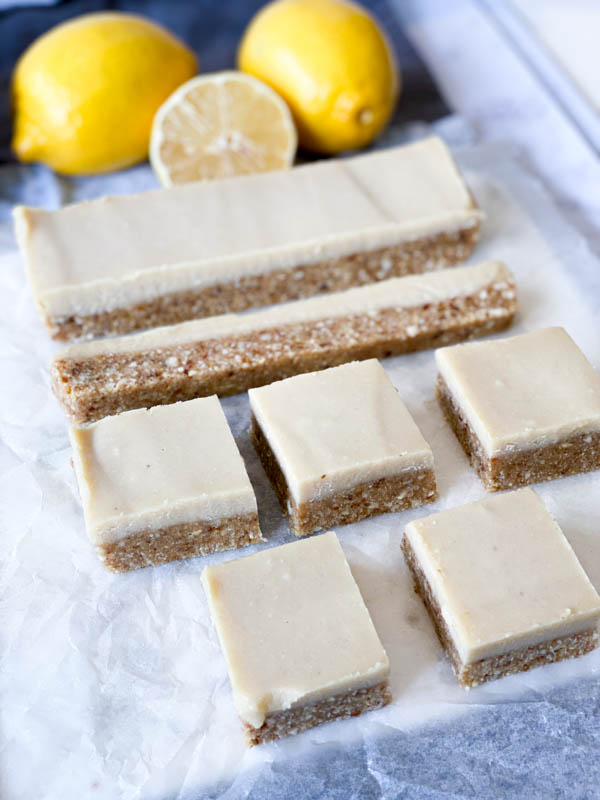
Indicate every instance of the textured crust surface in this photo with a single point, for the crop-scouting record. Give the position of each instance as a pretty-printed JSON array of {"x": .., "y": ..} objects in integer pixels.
[
  {"x": 413, "y": 487},
  {"x": 332, "y": 275},
  {"x": 574, "y": 454},
  {"x": 340, "y": 706},
  {"x": 149, "y": 548},
  {"x": 95, "y": 387},
  {"x": 487, "y": 669}
]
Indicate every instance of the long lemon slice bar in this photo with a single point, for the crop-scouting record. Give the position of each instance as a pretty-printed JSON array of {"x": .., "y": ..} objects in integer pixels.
[
  {"x": 122, "y": 264},
  {"x": 231, "y": 353}
]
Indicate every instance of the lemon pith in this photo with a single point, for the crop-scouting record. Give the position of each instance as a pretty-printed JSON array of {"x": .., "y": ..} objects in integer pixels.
[
  {"x": 331, "y": 63},
  {"x": 85, "y": 93},
  {"x": 220, "y": 125}
]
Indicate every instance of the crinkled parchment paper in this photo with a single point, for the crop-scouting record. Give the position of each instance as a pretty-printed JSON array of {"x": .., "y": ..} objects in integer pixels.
[{"x": 114, "y": 685}]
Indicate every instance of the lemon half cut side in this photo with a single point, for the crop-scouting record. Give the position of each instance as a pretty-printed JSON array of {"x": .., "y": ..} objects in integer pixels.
[{"x": 220, "y": 125}]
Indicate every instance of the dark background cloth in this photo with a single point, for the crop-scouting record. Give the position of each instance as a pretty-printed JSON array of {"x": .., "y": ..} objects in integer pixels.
[{"x": 213, "y": 28}]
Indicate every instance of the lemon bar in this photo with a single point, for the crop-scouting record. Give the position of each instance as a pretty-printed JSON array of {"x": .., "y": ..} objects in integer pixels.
[
  {"x": 232, "y": 353},
  {"x": 339, "y": 446},
  {"x": 120, "y": 264},
  {"x": 524, "y": 409},
  {"x": 503, "y": 586},
  {"x": 163, "y": 484},
  {"x": 300, "y": 646}
]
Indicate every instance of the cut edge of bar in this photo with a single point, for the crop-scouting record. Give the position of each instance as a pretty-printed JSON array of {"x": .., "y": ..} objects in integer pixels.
[
  {"x": 573, "y": 454},
  {"x": 288, "y": 722},
  {"x": 148, "y": 548},
  {"x": 411, "y": 487}
]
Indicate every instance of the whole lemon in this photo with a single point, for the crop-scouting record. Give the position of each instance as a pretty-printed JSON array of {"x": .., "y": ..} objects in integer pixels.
[
  {"x": 85, "y": 93},
  {"x": 331, "y": 63}
]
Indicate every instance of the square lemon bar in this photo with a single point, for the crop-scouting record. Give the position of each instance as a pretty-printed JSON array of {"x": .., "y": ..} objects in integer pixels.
[
  {"x": 504, "y": 588},
  {"x": 163, "y": 484},
  {"x": 340, "y": 445},
  {"x": 524, "y": 409},
  {"x": 300, "y": 646}
]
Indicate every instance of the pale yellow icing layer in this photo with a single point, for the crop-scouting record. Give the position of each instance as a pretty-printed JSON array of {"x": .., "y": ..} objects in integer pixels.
[{"x": 119, "y": 251}]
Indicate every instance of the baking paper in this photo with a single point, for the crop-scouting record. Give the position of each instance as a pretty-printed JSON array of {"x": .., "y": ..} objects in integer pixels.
[{"x": 114, "y": 686}]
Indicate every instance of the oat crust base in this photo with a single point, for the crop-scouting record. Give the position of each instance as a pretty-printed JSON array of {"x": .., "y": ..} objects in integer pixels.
[
  {"x": 187, "y": 540},
  {"x": 332, "y": 275},
  {"x": 488, "y": 669},
  {"x": 341, "y": 706},
  {"x": 577, "y": 453},
  {"x": 412, "y": 487}
]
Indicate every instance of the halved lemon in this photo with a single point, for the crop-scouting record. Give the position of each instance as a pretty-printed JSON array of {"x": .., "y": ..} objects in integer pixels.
[{"x": 219, "y": 125}]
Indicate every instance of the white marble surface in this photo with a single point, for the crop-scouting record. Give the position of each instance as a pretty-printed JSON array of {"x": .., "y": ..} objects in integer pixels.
[
  {"x": 570, "y": 31},
  {"x": 488, "y": 81}
]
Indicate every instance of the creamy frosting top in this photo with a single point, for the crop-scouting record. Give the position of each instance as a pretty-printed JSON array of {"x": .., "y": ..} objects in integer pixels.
[
  {"x": 152, "y": 468},
  {"x": 523, "y": 391},
  {"x": 293, "y": 626},
  {"x": 334, "y": 429},
  {"x": 406, "y": 292},
  {"x": 118, "y": 251},
  {"x": 503, "y": 574}
]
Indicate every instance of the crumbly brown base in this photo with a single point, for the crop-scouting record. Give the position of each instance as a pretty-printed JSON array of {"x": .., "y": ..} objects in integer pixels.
[
  {"x": 95, "y": 387},
  {"x": 149, "y": 548},
  {"x": 488, "y": 669},
  {"x": 574, "y": 454},
  {"x": 332, "y": 275},
  {"x": 413, "y": 487},
  {"x": 340, "y": 706}
]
